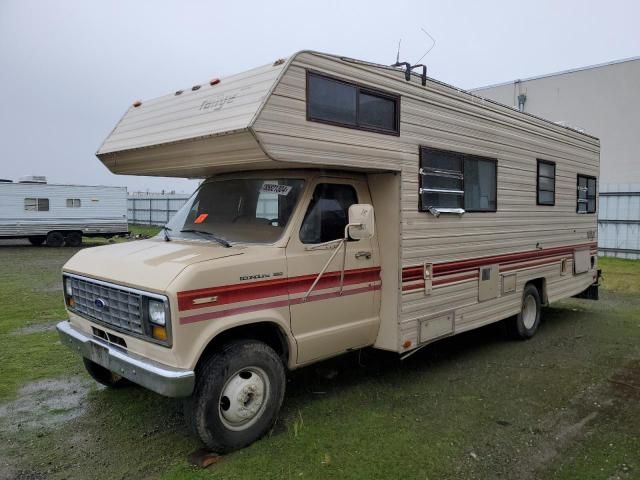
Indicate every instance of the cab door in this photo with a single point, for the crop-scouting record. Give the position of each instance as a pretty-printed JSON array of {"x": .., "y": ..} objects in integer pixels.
[{"x": 330, "y": 319}]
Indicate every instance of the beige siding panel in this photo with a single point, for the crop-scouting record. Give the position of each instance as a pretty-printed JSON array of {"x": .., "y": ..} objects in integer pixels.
[
  {"x": 439, "y": 116},
  {"x": 198, "y": 158}
]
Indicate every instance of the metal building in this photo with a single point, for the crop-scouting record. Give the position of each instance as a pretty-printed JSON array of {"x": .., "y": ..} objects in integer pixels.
[{"x": 603, "y": 100}]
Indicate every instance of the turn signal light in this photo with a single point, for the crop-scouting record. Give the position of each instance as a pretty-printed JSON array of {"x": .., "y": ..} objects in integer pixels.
[{"x": 159, "y": 333}]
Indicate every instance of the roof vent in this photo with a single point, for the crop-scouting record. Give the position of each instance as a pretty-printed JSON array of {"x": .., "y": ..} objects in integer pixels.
[{"x": 33, "y": 179}]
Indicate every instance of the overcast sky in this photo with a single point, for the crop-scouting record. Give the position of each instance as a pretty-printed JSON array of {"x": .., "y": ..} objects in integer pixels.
[{"x": 69, "y": 69}]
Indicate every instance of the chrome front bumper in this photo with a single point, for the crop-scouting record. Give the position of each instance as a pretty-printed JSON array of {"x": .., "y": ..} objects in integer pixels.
[{"x": 162, "y": 379}]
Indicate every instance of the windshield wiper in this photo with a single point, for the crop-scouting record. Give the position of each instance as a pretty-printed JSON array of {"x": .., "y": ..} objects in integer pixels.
[
  {"x": 220, "y": 240},
  {"x": 166, "y": 231}
]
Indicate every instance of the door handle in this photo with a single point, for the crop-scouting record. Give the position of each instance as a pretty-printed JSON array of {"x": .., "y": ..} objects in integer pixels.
[{"x": 363, "y": 254}]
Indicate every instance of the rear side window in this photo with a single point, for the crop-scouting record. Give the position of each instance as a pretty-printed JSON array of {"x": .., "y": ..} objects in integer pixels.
[
  {"x": 36, "y": 204},
  {"x": 334, "y": 101},
  {"x": 546, "y": 183},
  {"x": 328, "y": 213},
  {"x": 586, "y": 194}
]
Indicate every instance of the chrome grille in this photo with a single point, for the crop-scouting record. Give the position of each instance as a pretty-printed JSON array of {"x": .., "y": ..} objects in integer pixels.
[{"x": 117, "y": 308}]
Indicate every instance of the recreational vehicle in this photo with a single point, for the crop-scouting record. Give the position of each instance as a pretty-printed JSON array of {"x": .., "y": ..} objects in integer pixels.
[
  {"x": 345, "y": 205},
  {"x": 60, "y": 214}
]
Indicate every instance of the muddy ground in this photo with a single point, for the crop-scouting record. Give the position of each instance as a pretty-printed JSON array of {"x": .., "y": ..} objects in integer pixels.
[{"x": 564, "y": 405}]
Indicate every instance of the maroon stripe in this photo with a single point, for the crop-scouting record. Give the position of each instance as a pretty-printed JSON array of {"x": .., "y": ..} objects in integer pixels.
[
  {"x": 281, "y": 303},
  {"x": 460, "y": 266},
  {"x": 460, "y": 277},
  {"x": 242, "y": 292}
]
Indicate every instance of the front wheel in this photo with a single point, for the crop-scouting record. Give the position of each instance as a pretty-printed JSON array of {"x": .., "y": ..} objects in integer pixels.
[{"x": 238, "y": 393}]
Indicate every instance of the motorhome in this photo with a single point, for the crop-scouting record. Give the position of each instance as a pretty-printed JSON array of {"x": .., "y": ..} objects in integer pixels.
[
  {"x": 57, "y": 214},
  {"x": 345, "y": 205}
]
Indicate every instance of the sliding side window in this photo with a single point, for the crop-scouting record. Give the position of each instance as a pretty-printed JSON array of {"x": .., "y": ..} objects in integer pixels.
[
  {"x": 586, "y": 194},
  {"x": 456, "y": 182},
  {"x": 36, "y": 204},
  {"x": 546, "y": 183},
  {"x": 334, "y": 101}
]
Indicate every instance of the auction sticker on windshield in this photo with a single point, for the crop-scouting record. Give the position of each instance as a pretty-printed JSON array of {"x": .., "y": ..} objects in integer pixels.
[{"x": 275, "y": 188}]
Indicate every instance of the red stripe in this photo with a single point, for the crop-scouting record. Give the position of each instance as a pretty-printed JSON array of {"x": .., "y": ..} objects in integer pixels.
[
  {"x": 281, "y": 303},
  {"x": 510, "y": 267},
  {"x": 538, "y": 263},
  {"x": 242, "y": 292},
  {"x": 459, "y": 266}
]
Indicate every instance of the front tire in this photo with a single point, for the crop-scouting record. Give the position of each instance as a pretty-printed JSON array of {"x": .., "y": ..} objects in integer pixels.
[
  {"x": 238, "y": 394},
  {"x": 525, "y": 325},
  {"x": 105, "y": 376}
]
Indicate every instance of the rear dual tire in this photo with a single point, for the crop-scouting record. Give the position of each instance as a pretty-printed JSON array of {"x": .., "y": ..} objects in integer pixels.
[
  {"x": 73, "y": 239},
  {"x": 525, "y": 325},
  {"x": 237, "y": 397},
  {"x": 57, "y": 239}
]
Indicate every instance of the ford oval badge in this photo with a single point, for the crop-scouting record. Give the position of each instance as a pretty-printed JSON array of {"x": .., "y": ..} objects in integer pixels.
[{"x": 101, "y": 304}]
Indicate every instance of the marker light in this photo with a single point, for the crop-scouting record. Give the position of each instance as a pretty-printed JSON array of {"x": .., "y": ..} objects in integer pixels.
[
  {"x": 215, "y": 81},
  {"x": 159, "y": 333}
]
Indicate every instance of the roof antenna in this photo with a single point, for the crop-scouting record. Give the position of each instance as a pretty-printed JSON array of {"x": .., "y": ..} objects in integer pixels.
[
  {"x": 430, "y": 48},
  {"x": 398, "y": 54}
]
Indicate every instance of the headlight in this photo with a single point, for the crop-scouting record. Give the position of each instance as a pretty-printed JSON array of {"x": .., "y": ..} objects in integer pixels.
[
  {"x": 157, "y": 312},
  {"x": 67, "y": 287}
]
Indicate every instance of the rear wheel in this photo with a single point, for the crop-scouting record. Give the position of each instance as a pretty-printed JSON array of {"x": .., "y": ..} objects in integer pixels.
[
  {"x": 55, "y": 239},
  {"x": 238, "y": 393},
  {"x": 37, "y": 241},
  {"x": 105, "y": 376},
  {"x": 526, "y": 323},
  {"x": 73, "y": 239}
]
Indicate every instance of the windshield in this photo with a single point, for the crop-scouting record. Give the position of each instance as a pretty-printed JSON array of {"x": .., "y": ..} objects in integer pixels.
[{"x": 248, "y": 210}]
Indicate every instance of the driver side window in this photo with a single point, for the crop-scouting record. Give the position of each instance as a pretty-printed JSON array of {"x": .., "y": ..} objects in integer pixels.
[{"x": 327, "y": 214}]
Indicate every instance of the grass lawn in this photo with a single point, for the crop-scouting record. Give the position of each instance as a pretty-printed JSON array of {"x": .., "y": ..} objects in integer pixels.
[{"x": 564, "y": 405}]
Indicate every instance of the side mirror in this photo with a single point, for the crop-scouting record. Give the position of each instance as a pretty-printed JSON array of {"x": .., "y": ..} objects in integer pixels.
[{"x": 361, "y": 221}]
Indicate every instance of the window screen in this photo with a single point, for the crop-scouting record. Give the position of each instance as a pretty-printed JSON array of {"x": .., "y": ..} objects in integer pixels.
[
  {"x": 328, "y": 213},
  {"x": 73, "y": 203},
  {"x": 36, "y": 204},
  {"x": 341, "y": 103},
  {"x": 586, "y": 194},
  {"x": 455, "y": 180},
  {"x": 546, "y": 183}
]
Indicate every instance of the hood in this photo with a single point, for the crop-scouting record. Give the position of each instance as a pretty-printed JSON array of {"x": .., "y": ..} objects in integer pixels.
[{"x": 146, "y": 264}]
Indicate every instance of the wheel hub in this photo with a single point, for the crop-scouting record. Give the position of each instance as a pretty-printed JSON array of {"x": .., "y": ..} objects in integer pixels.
[
  {"x": 243, "y": 398},
  {"x": 529, "y": 312}
]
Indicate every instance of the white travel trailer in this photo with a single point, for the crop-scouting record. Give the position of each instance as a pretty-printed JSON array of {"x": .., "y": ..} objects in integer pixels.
[
  {"x": 60, "y": 214},
  {"x": 482, "y": 214}
]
